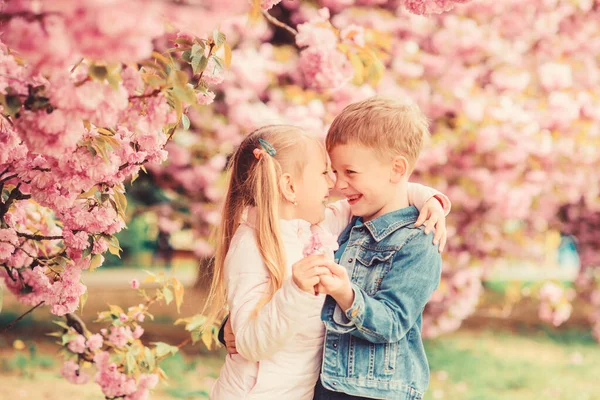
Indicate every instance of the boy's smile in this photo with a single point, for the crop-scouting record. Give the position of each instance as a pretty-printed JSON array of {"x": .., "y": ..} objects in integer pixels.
[{"x": 364, "y": 177}]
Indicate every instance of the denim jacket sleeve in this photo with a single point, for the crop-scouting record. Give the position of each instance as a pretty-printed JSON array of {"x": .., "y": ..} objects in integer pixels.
[{"x": 388, "y": 315}]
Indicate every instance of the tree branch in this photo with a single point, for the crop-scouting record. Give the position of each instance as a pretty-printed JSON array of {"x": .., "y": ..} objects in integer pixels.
[
  {"x": 38, "y": 237},
  {"x": 143, "y": 96},
  {"x": 278, "y": 23},
  {"x": 9, "y": 326}
]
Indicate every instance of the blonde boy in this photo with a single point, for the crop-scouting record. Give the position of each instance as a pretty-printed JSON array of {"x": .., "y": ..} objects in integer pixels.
[{"x": 389, "y": 268}]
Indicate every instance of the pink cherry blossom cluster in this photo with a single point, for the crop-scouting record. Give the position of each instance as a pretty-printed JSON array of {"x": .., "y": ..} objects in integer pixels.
[{"x": 90, "y": 29}]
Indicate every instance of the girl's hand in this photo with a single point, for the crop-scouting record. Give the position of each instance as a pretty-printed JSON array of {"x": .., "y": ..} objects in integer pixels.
[
  {"x": 433, "y": 217},
  {"x": 306, "y": 272}
]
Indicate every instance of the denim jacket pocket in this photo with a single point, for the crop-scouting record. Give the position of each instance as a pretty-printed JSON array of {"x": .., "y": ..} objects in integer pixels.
[{"x": 377, "y": 265}]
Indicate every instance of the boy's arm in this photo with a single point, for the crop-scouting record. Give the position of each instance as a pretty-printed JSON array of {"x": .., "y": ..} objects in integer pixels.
[
  {"x": 258, "y": 336},
  {"x": 419, "y": 194},
  {"x": 387, "y": 316}
]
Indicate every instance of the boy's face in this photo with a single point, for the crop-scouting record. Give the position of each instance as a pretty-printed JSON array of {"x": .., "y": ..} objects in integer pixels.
[{"x": 364, "y": 177}]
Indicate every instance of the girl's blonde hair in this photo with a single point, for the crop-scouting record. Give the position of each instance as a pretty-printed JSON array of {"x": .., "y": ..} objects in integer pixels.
[{"x": 254, "y": 182}]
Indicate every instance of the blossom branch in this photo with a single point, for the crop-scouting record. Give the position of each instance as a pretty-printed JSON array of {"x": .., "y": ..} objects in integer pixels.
[
  {"x": 38, "y": 237},
  {"x": 143, "y": 96},
  {"x": 278, "y": 23},
  {"x": 9, "y": 326}
]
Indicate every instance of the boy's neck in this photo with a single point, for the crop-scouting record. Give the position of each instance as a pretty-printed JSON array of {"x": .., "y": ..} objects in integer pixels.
[{"x": 398, "y": 201}]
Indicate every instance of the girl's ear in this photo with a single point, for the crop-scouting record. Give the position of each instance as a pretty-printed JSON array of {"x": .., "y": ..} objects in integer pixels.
[
  {"x": 287, "y": 188},
  {"x": 399, "y": 169}
]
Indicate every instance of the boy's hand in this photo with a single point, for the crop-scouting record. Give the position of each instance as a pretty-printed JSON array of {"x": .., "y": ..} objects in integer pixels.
[
  {"x": 433, "y": 217},
  {"x": 306, "y": 272},
  {"x": 337, "y": 284},
  {"x": 229, "y": 338}
]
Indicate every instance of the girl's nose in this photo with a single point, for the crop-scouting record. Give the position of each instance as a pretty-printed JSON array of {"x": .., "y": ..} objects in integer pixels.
[{"x": 330, "y": 182}]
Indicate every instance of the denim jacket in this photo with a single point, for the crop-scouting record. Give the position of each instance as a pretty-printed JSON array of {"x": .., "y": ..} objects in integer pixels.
[{"x": 375, "y": 349}]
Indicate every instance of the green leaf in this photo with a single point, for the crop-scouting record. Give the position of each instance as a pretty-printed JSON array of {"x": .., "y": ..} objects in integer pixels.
[
  {"x": 187, "y": 56},
  {"x": 227, "y": 55},
  {"x": 61, "y": 324},
  {"x": 113, "y": 246},
  {"x": 95, "y": 262},
  {"x": 12, "y": 104},
  {"x": 197, "y": 50},
  {"x": 98, "y": 72},
  {"x": 149, "y": 358},
  {"x": 185, "y": 122},
  {"x": 179, "y": 290},
  {"x": 168, "y": 295},
  {"x": 83, "y": 299},
  {"x": 199, "y": 64},
  {"x": 192, "y": 323},
  {"x": 68, "y": 337},
  {"x": 130, "y": 363},
  {"x": 219, "y": 38},
  {"x": 162, "y": 349}
]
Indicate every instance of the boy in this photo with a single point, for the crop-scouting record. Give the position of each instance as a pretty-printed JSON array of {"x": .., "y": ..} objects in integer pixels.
[{"x": 373, "y": 346}]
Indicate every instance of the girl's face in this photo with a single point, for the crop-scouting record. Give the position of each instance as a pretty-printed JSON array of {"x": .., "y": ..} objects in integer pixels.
[{"x": 312, "y": 190}]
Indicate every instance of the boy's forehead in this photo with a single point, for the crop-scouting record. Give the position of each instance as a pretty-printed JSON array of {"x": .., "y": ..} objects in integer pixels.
[{"x": 348, "y": 150}]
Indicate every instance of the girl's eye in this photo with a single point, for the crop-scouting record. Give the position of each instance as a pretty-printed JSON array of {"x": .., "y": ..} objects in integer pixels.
[
  {"x": 325, "y": 172},
  {"x": 349, "y": 171}
]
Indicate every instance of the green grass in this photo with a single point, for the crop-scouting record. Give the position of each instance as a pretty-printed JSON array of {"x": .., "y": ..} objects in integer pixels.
[
  {"x": 466, "y": 365},
  {"x": 496, "y": 366}
]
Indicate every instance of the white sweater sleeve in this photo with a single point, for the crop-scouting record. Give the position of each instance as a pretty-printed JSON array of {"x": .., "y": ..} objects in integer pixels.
[{"x": 258, "y": 336}]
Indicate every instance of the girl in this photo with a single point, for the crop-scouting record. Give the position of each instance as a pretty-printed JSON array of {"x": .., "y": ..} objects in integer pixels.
[{"x": 278, "y": 187}]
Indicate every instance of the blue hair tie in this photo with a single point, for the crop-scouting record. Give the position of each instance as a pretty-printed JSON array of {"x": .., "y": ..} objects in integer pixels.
[{"x": 267, "y": 147}]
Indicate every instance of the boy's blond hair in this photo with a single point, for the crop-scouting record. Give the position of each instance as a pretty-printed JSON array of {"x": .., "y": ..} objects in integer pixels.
[{"x": 389, "y": 126}]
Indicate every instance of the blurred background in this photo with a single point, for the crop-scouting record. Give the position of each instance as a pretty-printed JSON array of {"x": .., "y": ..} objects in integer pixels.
[{"x": 511, "y": 89}]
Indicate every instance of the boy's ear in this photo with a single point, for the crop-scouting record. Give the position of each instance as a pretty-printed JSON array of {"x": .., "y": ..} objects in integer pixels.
[
  {"x": 400, "y": 169},
  {"x": 287, "y": 188}
]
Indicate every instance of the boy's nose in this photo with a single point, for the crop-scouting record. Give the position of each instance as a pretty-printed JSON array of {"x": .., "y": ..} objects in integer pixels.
[{"x": 340, "y": 184}]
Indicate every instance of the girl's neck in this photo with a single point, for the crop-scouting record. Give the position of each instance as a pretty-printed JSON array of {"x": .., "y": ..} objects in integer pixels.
[{"x": 287, "y": 211}]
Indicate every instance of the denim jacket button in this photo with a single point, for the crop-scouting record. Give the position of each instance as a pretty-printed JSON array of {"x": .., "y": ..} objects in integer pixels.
[
  {"x": 350, "y": 260},
  {"x": 335, "y": 345}
]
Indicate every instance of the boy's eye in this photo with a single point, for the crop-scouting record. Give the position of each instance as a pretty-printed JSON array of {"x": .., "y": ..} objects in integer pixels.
[
  {"x": 334, "y": 172},
  {"x": 349, "y": 171}
]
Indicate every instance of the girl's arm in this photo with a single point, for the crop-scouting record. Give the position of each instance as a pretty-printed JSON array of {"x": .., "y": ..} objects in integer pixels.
[{"x": 258, "y": 336}]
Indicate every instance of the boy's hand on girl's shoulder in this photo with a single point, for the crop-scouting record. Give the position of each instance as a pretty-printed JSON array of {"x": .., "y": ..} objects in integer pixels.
[
  {"x": 336, "y": 283},
  {"x": 432, "y": 215},
  {"x": 229, "y": 338}
]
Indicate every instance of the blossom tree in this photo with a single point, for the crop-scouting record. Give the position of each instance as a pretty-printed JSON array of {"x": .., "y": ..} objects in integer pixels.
[{"x": 92, "y": 92}]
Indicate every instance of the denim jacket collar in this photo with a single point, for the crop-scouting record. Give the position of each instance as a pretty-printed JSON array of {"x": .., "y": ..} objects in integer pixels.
[{"x": 383, "y": 226}]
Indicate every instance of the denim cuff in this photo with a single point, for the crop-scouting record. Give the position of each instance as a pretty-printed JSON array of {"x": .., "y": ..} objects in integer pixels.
[
  {"x": 339, "y": 317},
  {"x": 354, "y": 313}
]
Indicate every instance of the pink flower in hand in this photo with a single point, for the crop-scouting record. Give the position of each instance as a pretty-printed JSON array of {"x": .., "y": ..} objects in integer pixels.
[{"x": 321, "y": 243}]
